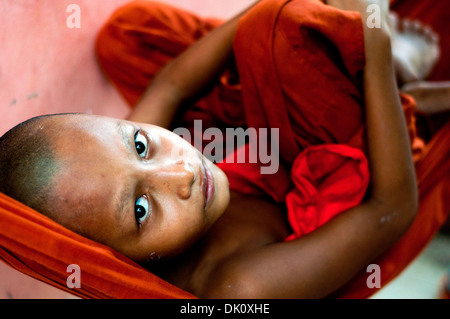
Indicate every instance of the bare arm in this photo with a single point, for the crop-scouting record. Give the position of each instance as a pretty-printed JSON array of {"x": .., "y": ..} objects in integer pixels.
[
  {"x": 187, "y": 76},
  {"x": 315, "y": 265}
]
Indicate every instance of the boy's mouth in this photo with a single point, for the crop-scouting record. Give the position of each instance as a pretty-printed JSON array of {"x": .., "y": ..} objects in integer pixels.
[{"x": 207, "y": 184}]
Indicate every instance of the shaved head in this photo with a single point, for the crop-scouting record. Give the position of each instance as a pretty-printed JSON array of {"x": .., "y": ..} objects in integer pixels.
[{"x": 28, "y": 164}]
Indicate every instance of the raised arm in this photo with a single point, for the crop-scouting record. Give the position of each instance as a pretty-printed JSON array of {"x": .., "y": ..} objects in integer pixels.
[
  {"x": 316, "y": 265},
  {"x": 187, "y": 76}
]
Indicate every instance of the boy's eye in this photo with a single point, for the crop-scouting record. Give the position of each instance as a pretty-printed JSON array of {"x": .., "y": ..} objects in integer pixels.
[
  {"x": 141, "y": 209},
  {"x": 140, "y": 143}
]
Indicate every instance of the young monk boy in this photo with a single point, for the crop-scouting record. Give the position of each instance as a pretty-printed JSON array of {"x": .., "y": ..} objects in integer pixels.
[{"x": 119, "y": 183}]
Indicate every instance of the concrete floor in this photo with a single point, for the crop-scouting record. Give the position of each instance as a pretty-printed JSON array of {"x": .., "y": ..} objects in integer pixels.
[{"x": 424, "y": 278}]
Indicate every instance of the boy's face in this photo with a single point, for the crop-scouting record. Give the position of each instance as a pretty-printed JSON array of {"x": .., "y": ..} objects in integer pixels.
[{"x": 137, "y": 188}]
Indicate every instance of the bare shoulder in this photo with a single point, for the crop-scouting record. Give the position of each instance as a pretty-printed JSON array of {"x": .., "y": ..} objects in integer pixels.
[
  {"x": 233, "y": 279},
  {"x": 225, "y": 267}
]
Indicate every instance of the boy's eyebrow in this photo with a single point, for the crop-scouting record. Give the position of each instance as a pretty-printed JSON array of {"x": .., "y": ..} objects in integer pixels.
[
  {"x": 123, "y": 200},
  {"x": 125, "y": 136}
]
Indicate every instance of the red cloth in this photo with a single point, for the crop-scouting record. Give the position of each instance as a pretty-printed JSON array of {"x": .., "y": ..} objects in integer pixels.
[
  {"x": 302, "y": 90},
  {"x": 328, "y": 179},
  {"x": 297, "y": 74},
  {"x": 43, "y": 249}
]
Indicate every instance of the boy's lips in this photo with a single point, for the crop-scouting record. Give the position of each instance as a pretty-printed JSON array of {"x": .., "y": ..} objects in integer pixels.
[{"x": 207, "y": 184}]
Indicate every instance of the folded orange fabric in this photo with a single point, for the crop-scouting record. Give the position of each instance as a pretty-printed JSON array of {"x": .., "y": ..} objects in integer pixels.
[
  {"x": 328, "y": 179},
  {"x": 297, "y": 74},
  {"x": 43, "y": 249}
]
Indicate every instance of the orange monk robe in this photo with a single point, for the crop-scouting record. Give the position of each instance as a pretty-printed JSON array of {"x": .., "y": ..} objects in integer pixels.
[
  {"x": 37, "y": 246},
  {"x": 141, "y": 37},
  {"x": 284, "y": 71}
]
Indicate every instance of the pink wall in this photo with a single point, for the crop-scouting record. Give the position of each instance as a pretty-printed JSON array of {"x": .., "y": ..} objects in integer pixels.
[{"x": 47, "y": 67}]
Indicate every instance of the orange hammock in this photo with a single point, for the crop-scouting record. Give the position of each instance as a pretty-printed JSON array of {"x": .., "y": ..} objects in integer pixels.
[{"x": 41, "y": 248}]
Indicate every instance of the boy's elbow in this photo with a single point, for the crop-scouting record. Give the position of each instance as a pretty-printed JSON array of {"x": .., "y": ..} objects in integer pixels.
[
  {"x": 411, "y": 207},
  {"x": 410, "y": 203},
  {"x": 405, "y": 206},
  {"x": 398, "y": 206},
  {"x": 407, "y": 213}
]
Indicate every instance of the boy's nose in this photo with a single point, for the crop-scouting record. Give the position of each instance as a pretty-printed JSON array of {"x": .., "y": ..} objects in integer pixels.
[{"x": 177, "y": 177}]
